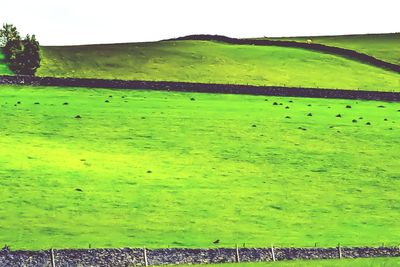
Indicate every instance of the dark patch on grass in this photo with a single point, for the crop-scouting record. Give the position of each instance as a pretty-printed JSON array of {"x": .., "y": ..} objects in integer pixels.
[
  {"x": 78, "y": 189},
  {"x": 385, "y": 119},
  {"x": 381, "y": 106},
  {"x": 309, "y": 114},
  {"x": 348, "y": 106},
  {"x": 192, "y": 99},
  {"x": 37, "y": 103},
  {"x": 287, "y": 107},
  {"x": 368, "y": 123},
  {"x": 354, "y": 121},
  {"x": 287, "y": 117},
  {"x": 275, "y": 104},
  {"x": 276, "y": 207},
  {"x": 338, "y": 116},
  {"x": 149, "y": 171},
  {"x": 78, "y": 117},
  {"x": 65, "y": 103},
  {"x": 253, "y": 125},
  {"x": 107, "y": 101}
]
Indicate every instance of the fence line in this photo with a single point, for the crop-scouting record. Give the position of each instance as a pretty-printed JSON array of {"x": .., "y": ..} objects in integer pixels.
[{"x": 149, "y": 257}]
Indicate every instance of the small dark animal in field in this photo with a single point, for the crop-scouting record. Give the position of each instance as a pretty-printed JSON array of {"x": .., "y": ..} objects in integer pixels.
[
  {"x": 65, "y": 103},
  {"x": 18, "y": 102},
  {"x": 338, "y": 116},
  {"x": 354, "y": 121},
  {"x": 107, "y": 101},
  {"x": 149, "y": 171},
  {"x": 368, "y": 123},
  {"x": 290, "y": 101},
  {"x": 275, "y": 104},
  {"x": 348, "y": 106},
  {"x": 78, "y": 189},
  {"x": 192, "y": 99},
  {"x": 287, "y": 107},
  {"x": 309, "y": 114},
  {"x": 381, "y": 106},
  {"x": 37, "y": 103},
  {"x": 216, "y": 241},
  {"x": 287, "y": 117},
  {"x": 254, "y": 125},
  {"x": 110, "y": 96},
  {"x": 385, "y": 119},
  {"x": 78, "y": 117}
]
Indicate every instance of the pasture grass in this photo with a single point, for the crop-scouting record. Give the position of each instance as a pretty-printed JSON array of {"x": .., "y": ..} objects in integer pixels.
[
  {"x": 367, "y": 262},
  {"x": 213, "y": 62},
  {"x": 167, "y": 169},
  {"x": 382, "y": 46}
]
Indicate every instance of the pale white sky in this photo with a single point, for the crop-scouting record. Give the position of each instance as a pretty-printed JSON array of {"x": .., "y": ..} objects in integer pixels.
[{"x": 66, "y": 22}]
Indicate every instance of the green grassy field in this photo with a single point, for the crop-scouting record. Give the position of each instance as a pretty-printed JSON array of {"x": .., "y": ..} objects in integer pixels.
[
  {"x": 383, "y": 46},
  {"x": 376, "y": 262},
  {"x": 202, "y": 61},
  {"x": 182, "y": 169}
]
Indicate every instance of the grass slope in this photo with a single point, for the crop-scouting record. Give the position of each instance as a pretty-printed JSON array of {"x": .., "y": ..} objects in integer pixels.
[
  {"x": 202, "y": 61},
  {"x": 382, "y": 46},
  {"x": 161, "y": 169},
  {"x": 376, "y": 262},
  {"x": 4, "y": 70}
]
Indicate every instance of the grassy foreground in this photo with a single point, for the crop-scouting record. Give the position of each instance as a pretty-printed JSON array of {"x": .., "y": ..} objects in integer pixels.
[
  {"x": 183, "y": 169},
  {"x": 375, "y": 262},
  {"x": 383, "y": 46},
  {"x": 202, "y": 61}
]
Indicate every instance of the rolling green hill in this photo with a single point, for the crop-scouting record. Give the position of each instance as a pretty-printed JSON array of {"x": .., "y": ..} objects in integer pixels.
[
  {"x": 158, "y": 169},
  {"x": 203, "y": 61},
  {"x": 382, "y": 46}
]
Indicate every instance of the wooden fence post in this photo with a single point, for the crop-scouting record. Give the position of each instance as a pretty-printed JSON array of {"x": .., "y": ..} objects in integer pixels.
[
  {"x": 145, "y": 257},
  {"x": 53, "y": 261},
  {"x": 340, "y": 251},
  {"x": 273, "y": 253},
  {"x": 237, "y": 254}
]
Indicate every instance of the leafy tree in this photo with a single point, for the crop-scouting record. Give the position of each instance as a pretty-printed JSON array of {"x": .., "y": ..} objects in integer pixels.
[
  {"x": 22, "y": 56},
  {"x": 27, "y": 59},
  {"x": 7, "y": 33}
]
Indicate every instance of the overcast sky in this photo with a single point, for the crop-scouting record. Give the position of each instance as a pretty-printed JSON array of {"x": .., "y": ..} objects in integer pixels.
[{"x": 65, "y": 22}]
